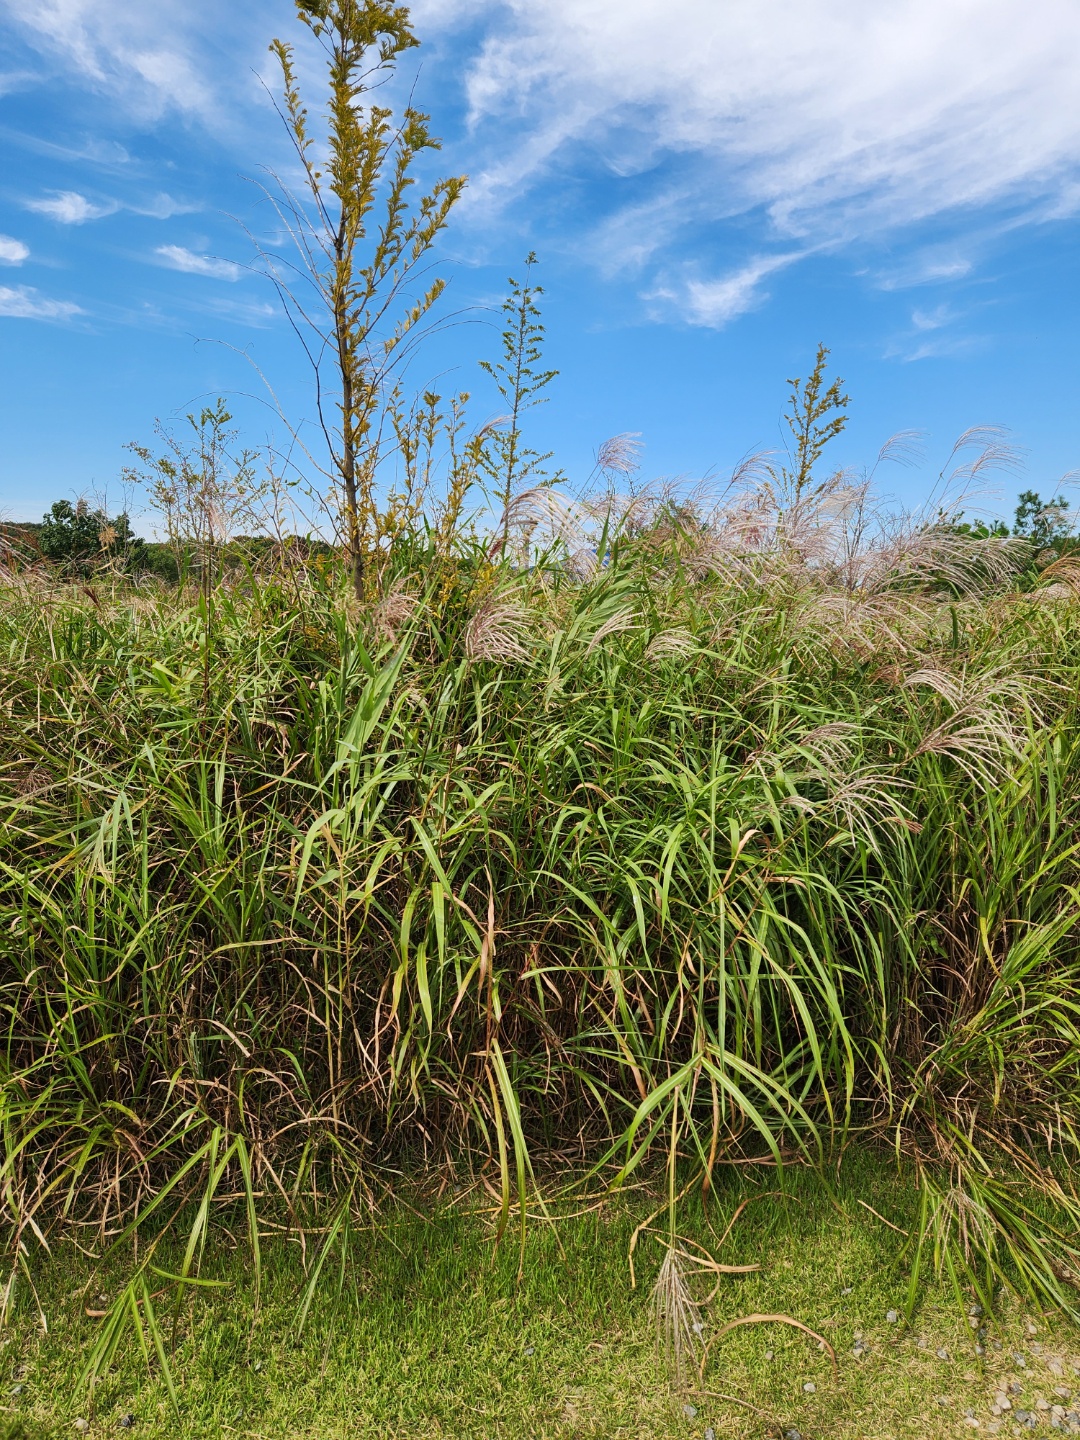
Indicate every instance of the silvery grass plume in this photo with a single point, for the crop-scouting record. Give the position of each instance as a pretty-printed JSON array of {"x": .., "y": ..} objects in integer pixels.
[
  {"x": 982, "y": 735},
  {"x": 622, "y": 620},
  {"x": 621, "y": 455},
  {"x": 1060, "y": 579},
  {"x": 541, "y": 519},
  {"x": 497, "y": 630},
  {"x": 396, "y": 608},
  {"x": 676, "y": 1315},
  {"x": 857, "y": 796},
  {"x": 670, "y": 644},
  {"x": 837, "y": 540}
]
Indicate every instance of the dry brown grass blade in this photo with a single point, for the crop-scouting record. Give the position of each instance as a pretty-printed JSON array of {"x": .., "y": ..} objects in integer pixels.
[
  {"x": 768, "y": 1320},
  {"x": 880, "y": 1217},
  {"x": 735, "y": 1400}
]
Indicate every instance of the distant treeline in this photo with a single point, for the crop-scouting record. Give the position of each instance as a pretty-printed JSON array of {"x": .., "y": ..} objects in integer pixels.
[{"x": 80, "y": 542}]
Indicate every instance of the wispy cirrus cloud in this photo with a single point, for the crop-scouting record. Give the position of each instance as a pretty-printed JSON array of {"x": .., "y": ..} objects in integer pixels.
[
  {"x": 833, "y": 117},
  {"x": 69, "y": 207},
  {"x": 162, "y": 207},
  {"x": 716, "y": 302},
  {"x": 817, "y": 121},
  {"x": 12, "y": 251},
  {"x": 23, "y": 302},
  {"x": 178, "y": 257},
  {"x": 810, "y": 124},
  {"x": 153, "y": 58}
]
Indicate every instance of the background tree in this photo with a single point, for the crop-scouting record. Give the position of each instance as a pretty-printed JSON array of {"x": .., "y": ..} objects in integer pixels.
[
  {"x": 519, "y": 378},
  {"x": 1046, "y": 523},
  {"x": 205, "y": 489},
  {"x": 360, "y": 243},
  {"x": 84, "y": 539}
]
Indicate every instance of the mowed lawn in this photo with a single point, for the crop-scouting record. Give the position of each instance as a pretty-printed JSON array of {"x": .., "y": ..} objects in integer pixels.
[{"x": 427, "y": 1330}]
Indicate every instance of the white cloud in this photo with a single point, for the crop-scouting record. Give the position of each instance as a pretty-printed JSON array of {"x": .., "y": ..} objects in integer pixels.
[
  {"x": 23, "y": 302},
  {"x": 162, "y": 207},
  {"x": 837, "y": 118},
  {"x": 929, "y": 267},
  {"x": 177, "y": 257},
  {"x": 141, "y": 51},
  {"x": 70, "y": 208},
  {"x": 935, "y": 319},
  {"x": 819, "y": 122},
  {"x": 13, "y": 252},
  {"x": 714, "y": 303},
  {"x": 185, "y": 56}
]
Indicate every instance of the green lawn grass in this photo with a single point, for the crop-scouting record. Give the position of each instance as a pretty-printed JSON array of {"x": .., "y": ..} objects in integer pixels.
[{"x": 427, "y": 1331}]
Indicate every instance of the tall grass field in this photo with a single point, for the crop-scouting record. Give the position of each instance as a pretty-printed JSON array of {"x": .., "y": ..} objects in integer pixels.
[{"x": 693, "y": 843}]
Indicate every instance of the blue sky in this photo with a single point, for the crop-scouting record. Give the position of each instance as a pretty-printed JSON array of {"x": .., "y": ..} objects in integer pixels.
[{"x": 713, "y": 186}]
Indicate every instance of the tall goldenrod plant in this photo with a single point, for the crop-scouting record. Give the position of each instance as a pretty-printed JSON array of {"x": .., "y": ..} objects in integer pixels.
[{"x": 362, "y": 243}]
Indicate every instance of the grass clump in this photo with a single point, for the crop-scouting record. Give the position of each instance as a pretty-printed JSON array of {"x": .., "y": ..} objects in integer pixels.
[{"x": 712, "y": 838}]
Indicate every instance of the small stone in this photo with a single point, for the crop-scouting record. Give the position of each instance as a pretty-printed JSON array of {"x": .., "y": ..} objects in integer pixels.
[
  {"x": 1031, "y": 1329},
  {"x": 1014, "y": 1387},
  {"x": 846, "y": 1290},
  {"x": 1019, "y": 1360},
  {"x": 891, "y": 1317},
  {"x": 922, "y": 1342},
  {"x": 980, "y": 1349},
  {"x": 698, "y": 1328},
  {"x": 1041, "y": 1404},
  {"x": 792, "y": 1435},
  {"x": 809, "y": 1388},
  {"x": 710, "y": 1433},
  {"x": 970, "y": 1421},
  {"x": 942, "y": 1400},
  {"x": 689, "y": 1411},
  {"x": 768, "y": 1354},
  {"x": 996, "y": 1344},
  {"x": 1055, "y": 1367},
  {"x": 976, "y": 1310},
  {"x": 16, "y": 1389},
  {"x": 1063, "y": 1391},
  {"x": 530, "y": 1349},
  {"x": 994, "y": 1426},
  {"x": 127, "y": 1422},
  {"x": 82, "y": 1425},
  {"x": 942, "y": 1354},
  {"x": 1002, "y": 1401}
]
